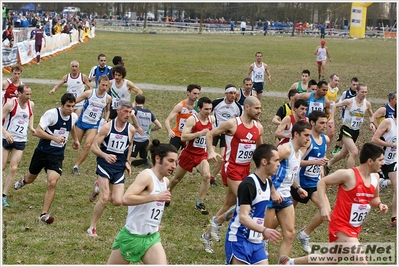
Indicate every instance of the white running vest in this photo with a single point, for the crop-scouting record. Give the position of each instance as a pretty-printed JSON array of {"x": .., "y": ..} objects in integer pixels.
[
  {"x": 119, "y": 94},
  {"x": 144, "y": 219},
  {"x": 76, "y": 87},
  {"x": 354, "y": 117},
  {"x": 258, "y": 73},
  {"x": 390, "y": 155}
]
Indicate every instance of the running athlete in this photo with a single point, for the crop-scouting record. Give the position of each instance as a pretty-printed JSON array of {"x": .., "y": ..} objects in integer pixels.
[
  {"x": 355, "y": 109},
  {"x": 302, "y": 86},
  {"x": 284, "y": 130},
  {"x": 257, "y": 74},
  {"x": 387, "y": 111},
  {"x": 182, "y": 111},
  {"x": 286, "y": 109},
  {"x": 244, "y": 93},
  {"x": 351, "y": 92},
  {"x": 321, "y": 53},
  {"x": 316, "y": 100},
  {"x": 357, "y": 193},
  {"x": 246, "y": 230},
  {"x": 139, "y": 240},
  {"x": 53, "y": 131},
  {"x": 100, "y": 70},
  {"x": 332, "y": 96},
  {"x": 112, "y": 146},
  {"x": 387, "y": 136},
  {"x": 145, "y": 118},
  {"x": 96, "y": 104},
  {"x": 76, "y": 82},
  {"x": 10, "y": 86},
  {"x": 290, "y": 158},
  {"x": 18, "y": 119},
  {"x": 194, "y": 154},
  {"x": 242, "y": 135},
  {"x": 311, "y": 172},
  {"x": 121, "y": 89},
  {"x": 224, "y": 108}
]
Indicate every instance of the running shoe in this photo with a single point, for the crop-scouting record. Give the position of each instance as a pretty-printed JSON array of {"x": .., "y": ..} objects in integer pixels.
[
  {"x": 92, "y": 232},
  {"x": 201, "y": 207},
  {"x": 336, "y": 150},
  {"x": 283, "y": 260},
  {"x": 213, "y": 182},
  {"x": 383, "y": 183},
  {"x": 75, "y": 170},
  {"x": 207, "y": 243},
  {"x": 46, "y": 218},
  {"x": 4, "y": 202},
  {"x": 20, "y": 183},
  {"x": 94, "y": 194},
  {"x": 304, "y": 239},
  {"x": 215, "y": 229}
]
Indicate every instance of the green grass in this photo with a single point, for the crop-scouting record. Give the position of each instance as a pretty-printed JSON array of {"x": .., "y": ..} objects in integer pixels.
[{"x": 169, "y": 59}]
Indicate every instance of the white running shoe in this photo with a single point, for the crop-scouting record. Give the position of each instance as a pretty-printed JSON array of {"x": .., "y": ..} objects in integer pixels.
[
  {"x": 207, "y": 243},
  {"x": 215, "y": 229},
  {"x": 383, "y": 183},
  {"x": 304, "y": 239},
  {"x": 92, "y": 232}
]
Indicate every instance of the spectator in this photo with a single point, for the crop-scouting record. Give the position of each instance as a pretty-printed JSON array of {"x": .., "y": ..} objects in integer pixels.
[{"x": 8, "y": 37}]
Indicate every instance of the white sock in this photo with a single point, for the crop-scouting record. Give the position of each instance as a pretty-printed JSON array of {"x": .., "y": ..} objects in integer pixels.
[{"x": 290, "y": 262}]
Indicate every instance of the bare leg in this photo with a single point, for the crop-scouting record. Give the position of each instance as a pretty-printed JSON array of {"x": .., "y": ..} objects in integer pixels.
[
  {"x": 116, "y": 258},
  {"x": 104, "y": 195},
  {"x": 15, "y": 159},
  {"x": 52, "y": 179}
]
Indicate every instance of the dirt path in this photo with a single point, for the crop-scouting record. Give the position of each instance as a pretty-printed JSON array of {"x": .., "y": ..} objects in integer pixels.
[{"x": 148, "y": 86}]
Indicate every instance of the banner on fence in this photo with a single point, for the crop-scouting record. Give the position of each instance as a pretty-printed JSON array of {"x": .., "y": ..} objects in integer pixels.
[{"x": 10, "y": 56}]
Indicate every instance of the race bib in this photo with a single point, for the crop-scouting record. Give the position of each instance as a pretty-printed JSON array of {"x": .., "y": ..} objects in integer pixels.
[
  {"x": 256, "y": 237},
  {"x": 245, "y": 152},
  {"x": 200, "y": 142},
  {"x": 313, "y": 170},
  {"x": 117, "y": 143},
  {"x": 60, "y": 132},
  {"x": 358, "y": 214}
]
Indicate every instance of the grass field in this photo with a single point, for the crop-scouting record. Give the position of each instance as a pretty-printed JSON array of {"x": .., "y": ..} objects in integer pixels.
[{"x": 211, "y": 61}]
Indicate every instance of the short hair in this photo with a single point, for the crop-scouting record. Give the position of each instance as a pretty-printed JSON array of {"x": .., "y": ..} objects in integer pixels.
[
  {"x": 21, "y": 87},
  {"x": 321, "y": 83},
  {"x": 311, "y": 83},
  {"x": 300, "y": 126},
  {"x": 246, "y": 79},
  {"x": 100, "y": 55},
  {"x": 316, "y": 114},
  {"x": 116, "y": 60},
  {"x": 203, "y": 100},
  {"x": 102, "y": 78},
  {"x": 120, "y": 69},
  {"x": 370, "y": 151},
  {"x": 292, "y": 92},
  {"x": 258, "y": 53},
  {"x": 74, "y": 61},
  {"x": 361, "y": 85},
  {"x": 16, "y": 67},
  {"x": 192, "y": 86},
  {"x": 301, "y": 102},
  {"x": 354, "y": 79},
  {"x": 306, "y": 71},
  {"x": 140, "y": 99},
  {"x": 263, "y": 151},
  {"x": 68, "y": 97},
  {"x": 391, "y": 95},
  {"x": 124, "y": 103},
  {"x": 161, "y": 150},
  {"x": 332, "y": 75}
]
